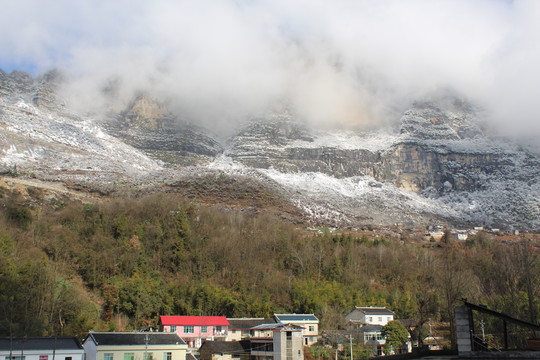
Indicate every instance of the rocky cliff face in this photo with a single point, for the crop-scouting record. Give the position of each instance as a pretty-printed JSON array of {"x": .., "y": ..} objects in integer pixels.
[
  {"x": 437, "y": 149},
  {"x": 147, "y": 125},
  {"x": 436, "y": 165}
]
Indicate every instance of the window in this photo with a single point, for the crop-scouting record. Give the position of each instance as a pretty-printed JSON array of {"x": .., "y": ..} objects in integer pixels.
[
  {"x": 218, "y": 329},
  {"x": 167, "y": 356},
  {"x": 15, "y": 357},
  {"x": 311, "y": 328},
  {"x": 129, "y": 356},
  {"x": 189, "y": 330},
  {"x": 43, "y": 357},
  {"x": 380, "y": 318},
  {"x": 370, "y": 319},
  {"x": 204, "y": 329},
  {"x": 147, "y": 356},
  {"x": 173, "y": 328},
  {"x": 108, "y": 356},
  {"x": 68, "y": 358}
]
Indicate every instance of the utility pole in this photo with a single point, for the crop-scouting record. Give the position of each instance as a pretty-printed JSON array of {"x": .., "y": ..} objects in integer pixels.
[
  {"x": 483, "y": 332},
  {"x": 145, "y": 346},
  {"x": 350, "y": 343}
]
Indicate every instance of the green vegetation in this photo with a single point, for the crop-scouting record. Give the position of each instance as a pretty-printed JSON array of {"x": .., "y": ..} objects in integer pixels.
[
  {"x": 396, "y": 335},
  {"x": 67, "y": 267}
]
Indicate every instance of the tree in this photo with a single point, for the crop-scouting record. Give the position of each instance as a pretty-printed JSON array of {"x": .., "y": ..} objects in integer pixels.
[{"x": 396, "y": 334}]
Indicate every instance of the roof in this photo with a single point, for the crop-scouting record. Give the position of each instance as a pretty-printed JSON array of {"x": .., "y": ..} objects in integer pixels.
[
  {"x": 295, "y": 317},
  {"x": 277, "y": 326},
  {"x": 226, "y": 347},
  {"x": 190, "y": 356},
  {"x": 194, "y": 320},
  {"x": 374, "y": 310},
  {"x": 248, "y": 323},
  {"x": 41, "y": 343},
  {"x": 135, "y": 338},
  {"x": 371, "y": 328}
]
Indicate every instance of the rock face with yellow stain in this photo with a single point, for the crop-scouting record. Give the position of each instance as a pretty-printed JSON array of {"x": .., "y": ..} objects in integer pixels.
[{"x": 147, "y": 125}]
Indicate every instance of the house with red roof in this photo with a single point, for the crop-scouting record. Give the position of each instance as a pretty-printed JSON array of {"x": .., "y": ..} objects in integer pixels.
[{"x": 195, "y": 329}]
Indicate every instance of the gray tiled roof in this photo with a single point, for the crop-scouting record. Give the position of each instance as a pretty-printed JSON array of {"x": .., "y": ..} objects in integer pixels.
[
  {"x": 41, "y": 343},
  {"x": 247, "y": 323},
  {"x": 226, "y": 347},
  {"x": 135, "y": 338},
  {"x": 375, "y": 310}
]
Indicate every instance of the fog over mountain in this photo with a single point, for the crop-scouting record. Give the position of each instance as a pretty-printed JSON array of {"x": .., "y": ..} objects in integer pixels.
[
  {"x": 357, "y": 63},
  {"x": 352, "y": 112}
]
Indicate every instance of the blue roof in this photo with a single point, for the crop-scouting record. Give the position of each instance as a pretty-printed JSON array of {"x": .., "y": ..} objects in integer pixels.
[{"x": 295, "y": 317}]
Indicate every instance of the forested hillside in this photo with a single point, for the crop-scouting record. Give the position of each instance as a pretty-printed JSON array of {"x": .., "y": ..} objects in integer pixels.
[{"x": 118, "y": 263}]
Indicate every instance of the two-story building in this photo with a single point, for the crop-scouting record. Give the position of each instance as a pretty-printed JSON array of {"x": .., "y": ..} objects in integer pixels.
[
  {"x": 368, "y": 315},
  {"x": 134, "y": 346},
  {"x": 195, "y": 329},
  {"x": 367, "y": 322},
  {"x": 308, "y": 322},
  {"x": 41, "y": 348}
]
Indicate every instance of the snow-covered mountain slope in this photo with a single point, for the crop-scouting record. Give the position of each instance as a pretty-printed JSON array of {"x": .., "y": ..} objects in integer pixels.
[
  {"x": 436, "y": 166},
  {"x": 54, "y": 143}
]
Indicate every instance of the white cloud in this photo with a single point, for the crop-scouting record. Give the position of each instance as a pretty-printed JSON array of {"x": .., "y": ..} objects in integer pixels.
[{"x": 341, "y": 61}]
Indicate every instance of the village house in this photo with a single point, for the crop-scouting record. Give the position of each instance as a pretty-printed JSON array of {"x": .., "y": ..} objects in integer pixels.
[
  {"x": 309, "y": 324},
  {"x": 134, "y": 346},
  {"x": 242, "y": 328},
  {"x": 41, "y": 348},
  {"x": 195, "y": 329},
  {"x": 368, "y": 322}
]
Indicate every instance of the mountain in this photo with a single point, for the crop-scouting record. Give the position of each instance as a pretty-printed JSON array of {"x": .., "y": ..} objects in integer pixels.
[{"x": 437, "y": 165}]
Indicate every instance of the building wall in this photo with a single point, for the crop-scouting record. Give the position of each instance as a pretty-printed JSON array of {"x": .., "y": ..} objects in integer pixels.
[
  {"x": 178, "y": 352},
  {"x": 234, "y": 335},
  {"x": 197, "y": 331},
  {"x": 35, "y": 354},
  {"x": 195, "y": 338},
  {"x": 285, "y": 340}
]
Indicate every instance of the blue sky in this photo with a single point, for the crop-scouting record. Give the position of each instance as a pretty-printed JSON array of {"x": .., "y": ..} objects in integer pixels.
[{"x": 353, "y": 59}]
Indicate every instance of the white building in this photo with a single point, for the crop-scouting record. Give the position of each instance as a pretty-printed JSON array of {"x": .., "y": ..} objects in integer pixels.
[
  {"x": 134, "y": 346},
  {"x": 361, "y": 316},
  {"x": 368, "y": 322},
  {"x": 41, "y": 348}
]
